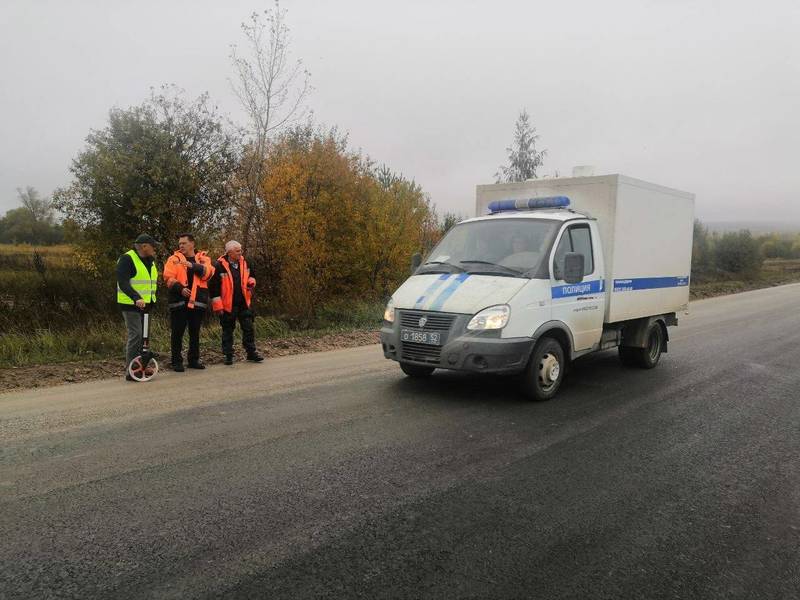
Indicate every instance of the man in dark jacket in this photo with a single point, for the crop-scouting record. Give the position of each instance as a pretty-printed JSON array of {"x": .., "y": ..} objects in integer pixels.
[
  {"x": 231, "y": 291},
  {"x": 137, "y": 277}
]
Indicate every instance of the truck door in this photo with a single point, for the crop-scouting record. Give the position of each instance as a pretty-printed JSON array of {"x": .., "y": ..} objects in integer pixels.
[{"x": 581, "y": 306}]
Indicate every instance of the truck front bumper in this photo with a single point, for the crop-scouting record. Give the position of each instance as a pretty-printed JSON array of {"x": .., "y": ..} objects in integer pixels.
[{"x": 481, "y": 352}]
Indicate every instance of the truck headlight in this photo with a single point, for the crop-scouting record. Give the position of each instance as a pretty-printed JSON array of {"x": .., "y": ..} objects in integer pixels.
[
  {"x": 494, "y": 317},
  {"x": 388, "y": 314}
]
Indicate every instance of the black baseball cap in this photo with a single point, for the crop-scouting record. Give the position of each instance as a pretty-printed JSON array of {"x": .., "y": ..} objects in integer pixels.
[{"x": 145, "y": 239}]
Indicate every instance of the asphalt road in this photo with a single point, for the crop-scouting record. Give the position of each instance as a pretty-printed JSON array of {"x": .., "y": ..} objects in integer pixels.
[{"x": 332, "y": 475}]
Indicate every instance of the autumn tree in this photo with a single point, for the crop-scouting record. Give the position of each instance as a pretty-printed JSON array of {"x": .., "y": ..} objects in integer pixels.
[
  {"x": 523, "y": 158},
  {"x": 162, "y": 167},
  {"x": 400, "y": 221},
  {"x": 333, "y": 225}
]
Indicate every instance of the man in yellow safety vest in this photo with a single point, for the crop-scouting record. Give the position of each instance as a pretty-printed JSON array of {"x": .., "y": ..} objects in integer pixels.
[{"x": 137, "y": 277}]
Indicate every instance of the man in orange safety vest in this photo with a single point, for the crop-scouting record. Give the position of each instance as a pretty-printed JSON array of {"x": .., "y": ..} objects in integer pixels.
[
  {"x": 231, "y": 291},
  {"x": 186, "y": 274}
]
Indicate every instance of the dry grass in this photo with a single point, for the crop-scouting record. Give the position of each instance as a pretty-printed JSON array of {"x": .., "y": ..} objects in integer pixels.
[
  {"x": 781, "y": 265},
  {"x": 20, "y": 256},
  {"x": 774, "y": 272},
  {"x": 59, "y": 250}
]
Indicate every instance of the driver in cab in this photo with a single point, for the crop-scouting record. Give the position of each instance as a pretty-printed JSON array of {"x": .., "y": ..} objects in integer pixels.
[{"x": 521, "y": 255}]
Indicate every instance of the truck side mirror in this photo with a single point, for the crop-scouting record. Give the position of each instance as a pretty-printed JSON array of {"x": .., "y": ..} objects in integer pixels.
[
  {"x": 416, "y": 261},
  {"x": 573, "y": 267}
]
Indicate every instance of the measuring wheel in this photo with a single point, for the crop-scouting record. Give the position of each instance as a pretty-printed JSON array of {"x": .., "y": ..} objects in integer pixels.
[{"x": 144, "y": 367}]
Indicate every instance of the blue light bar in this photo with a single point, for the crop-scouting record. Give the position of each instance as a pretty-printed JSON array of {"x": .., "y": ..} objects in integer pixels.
[{"x": 528, "y": 203}]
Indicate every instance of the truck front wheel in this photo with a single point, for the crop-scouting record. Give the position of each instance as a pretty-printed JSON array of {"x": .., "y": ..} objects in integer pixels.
[
  {"x": 416, "y": 370},
  {"x": 647, "y": 357},
  {"x": 545, "y": 370}
]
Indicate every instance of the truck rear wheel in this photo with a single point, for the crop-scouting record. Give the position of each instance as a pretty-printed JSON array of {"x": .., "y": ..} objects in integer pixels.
[
  {"x": 647, "y": 357},
  {"x": 416, "y": 370},
  {"x": 545, "y": 370}
]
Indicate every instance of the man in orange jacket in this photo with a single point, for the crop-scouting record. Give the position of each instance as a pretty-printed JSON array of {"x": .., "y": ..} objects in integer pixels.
[
  {"x": 231, "y": 291},
  {"x": 186, "y": 273}
]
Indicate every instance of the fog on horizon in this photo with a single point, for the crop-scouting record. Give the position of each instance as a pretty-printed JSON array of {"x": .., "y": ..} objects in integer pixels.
[{"x": 699, "y": 96}]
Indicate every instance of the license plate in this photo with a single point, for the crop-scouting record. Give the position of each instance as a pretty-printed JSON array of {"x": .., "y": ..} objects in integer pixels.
[{"x": 432, "y": 338}]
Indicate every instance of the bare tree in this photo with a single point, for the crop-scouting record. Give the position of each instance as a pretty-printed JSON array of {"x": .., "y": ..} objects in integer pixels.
[
  {"x": 272, "y": 90},
  {"x": 40, "y": 209}
]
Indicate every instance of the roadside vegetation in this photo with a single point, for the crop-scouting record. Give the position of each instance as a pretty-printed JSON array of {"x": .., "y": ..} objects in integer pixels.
[
  {"x": 733, "y": 262},
  {"x": 53, "y": 310}
]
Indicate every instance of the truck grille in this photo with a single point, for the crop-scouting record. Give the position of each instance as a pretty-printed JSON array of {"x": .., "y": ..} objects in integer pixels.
[
  {"x": 433, "y": 321},
  {"x": 421, "y": 352}
]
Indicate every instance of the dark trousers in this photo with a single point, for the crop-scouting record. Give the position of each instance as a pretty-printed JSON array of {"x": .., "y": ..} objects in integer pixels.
[
  {"x": 179, "y": 319},
  {"x": 228, "y": 322}
]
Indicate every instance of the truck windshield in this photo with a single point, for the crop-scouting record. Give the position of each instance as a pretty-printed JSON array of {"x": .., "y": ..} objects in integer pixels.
[{"x": 504, "y": 247}]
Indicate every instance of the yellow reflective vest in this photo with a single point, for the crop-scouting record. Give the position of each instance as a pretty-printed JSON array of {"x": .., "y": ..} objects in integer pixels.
[{"x": 143, "y": 282}]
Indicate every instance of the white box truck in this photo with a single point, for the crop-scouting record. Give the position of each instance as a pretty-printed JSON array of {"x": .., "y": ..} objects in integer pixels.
[{"x": 549, "y": 270}]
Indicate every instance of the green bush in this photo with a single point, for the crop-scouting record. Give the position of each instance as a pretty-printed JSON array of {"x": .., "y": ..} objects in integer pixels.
[{"x": 738, "y": 252}]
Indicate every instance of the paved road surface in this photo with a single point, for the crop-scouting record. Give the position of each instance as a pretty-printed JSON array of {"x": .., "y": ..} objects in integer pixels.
[{"x": 331, "y": 475}]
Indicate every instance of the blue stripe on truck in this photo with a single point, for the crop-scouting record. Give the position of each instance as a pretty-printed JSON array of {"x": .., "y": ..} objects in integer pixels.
[
  {"x": 577, "y": 289},
  {"x": 431, "y": 289},
  {"x": 649, "y": 283},
  {"x": 448, "y": 291}
]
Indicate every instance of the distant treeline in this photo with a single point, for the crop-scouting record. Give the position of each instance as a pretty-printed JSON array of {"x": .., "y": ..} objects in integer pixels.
[
  {"x": 738, "y": 252},
  {"x": 34, "y": 222}
]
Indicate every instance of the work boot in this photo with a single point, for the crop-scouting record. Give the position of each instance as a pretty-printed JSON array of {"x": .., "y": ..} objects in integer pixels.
[
  {"x": 178, "y": 367},
  {"x": 196, "y": 364},
  {"x": 228, "y": 359},
  {"x": 255, "y": 357}
]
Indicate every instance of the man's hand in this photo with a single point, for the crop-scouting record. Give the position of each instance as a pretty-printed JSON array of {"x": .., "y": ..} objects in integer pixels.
[
  {"x": 183, "y": 262},
  {"x": 186, "y": 292},
  {"x": 140, "y": 304},
  {"x": 251, "y": 283}
]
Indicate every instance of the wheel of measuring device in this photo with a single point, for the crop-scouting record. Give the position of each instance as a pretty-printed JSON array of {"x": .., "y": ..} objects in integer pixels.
[
  {"x": 141, "y": 370},
  {"x": 545, "y": 370}
]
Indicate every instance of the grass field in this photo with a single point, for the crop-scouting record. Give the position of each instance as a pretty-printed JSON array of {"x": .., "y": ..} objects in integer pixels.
[
  {"x": 773, "y": 272},
  {"x": 19, "y": 255}
]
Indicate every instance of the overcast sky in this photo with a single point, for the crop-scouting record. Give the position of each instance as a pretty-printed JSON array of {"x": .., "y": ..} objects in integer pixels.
[{"x": 699, "y": 95}]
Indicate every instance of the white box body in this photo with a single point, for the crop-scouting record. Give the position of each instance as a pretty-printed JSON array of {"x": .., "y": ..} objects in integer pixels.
[{"x": 646, "y": 235}]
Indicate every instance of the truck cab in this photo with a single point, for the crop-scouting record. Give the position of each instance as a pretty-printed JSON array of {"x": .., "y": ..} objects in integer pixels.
[{"x": 492, "y": 287}]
